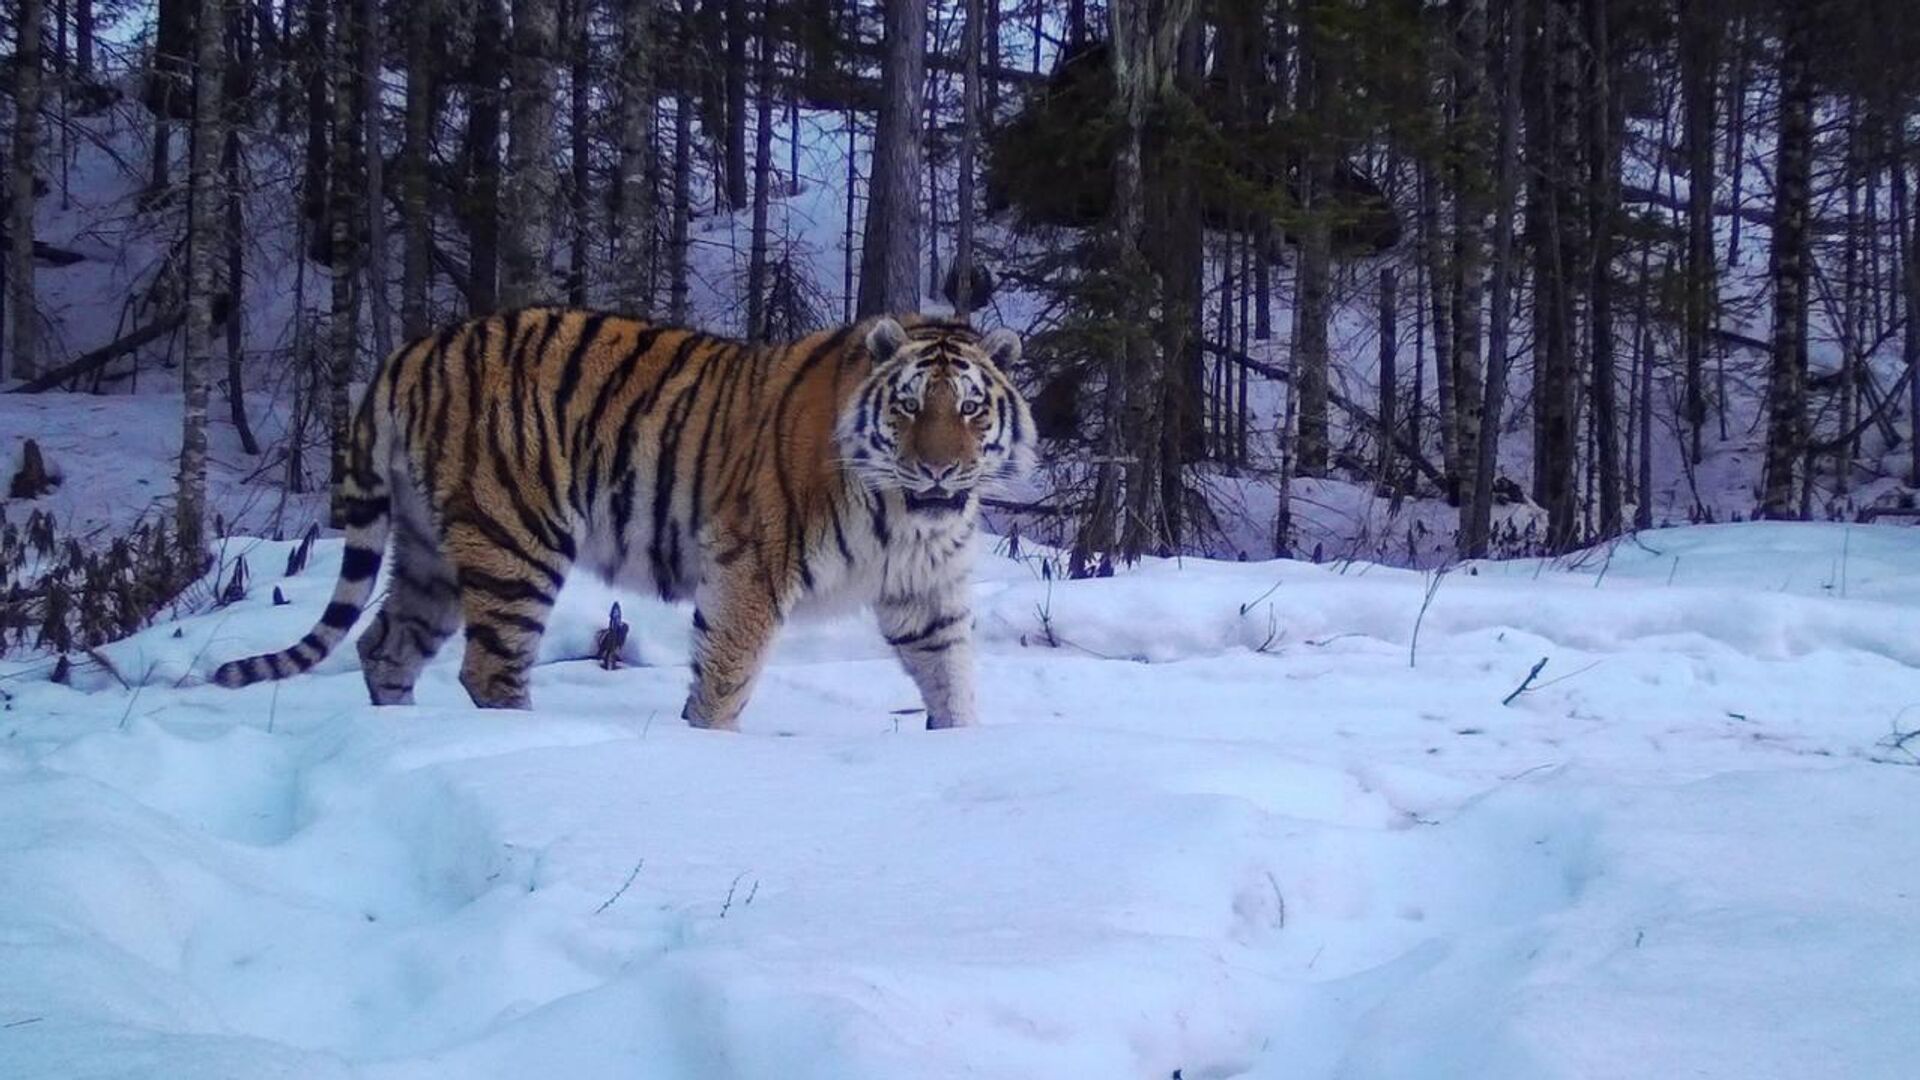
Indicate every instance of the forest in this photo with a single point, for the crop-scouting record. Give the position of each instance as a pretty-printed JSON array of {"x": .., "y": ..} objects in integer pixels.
[
  {"x": 1406, "y": 281},
  {"x": 1463, "y": 618}
]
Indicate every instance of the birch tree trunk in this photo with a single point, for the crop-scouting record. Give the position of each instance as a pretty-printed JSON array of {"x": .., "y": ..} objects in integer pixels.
[
  {"x": 204, "y": 210},
  {"x": 1477, "y": 529},
  {"x": 633, "y": 185},
  {"x": 528, "y": 189},
  {"x": 1439, "y": 274},
  {"x": 1469, "y": 241},
  {"x": 682, "y": 199},
  {"x": 969, "y": 137},
  {"x": 762, "y": 192},
  {"x": 1907, "y": 229}
]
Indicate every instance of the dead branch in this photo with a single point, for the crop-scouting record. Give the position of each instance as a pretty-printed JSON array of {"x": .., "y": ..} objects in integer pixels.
[{"x": 105, "y": 354}]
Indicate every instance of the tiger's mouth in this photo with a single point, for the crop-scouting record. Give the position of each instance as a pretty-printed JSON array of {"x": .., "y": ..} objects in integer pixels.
[{"x": 936, "y": 501}]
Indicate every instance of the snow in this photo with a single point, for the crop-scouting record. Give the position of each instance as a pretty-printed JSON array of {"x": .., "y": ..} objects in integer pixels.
[{"x": 1221, "y": 824}]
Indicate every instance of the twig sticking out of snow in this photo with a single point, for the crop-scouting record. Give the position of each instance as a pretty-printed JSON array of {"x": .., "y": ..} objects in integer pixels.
[
  {"x": 297, "y": 558},
  {"x": 1433, "y": 586},
  {"x": 622, "y": 890},
  {"x": 1253, "y": 603},
  {"x": 752, "y": 892},
  {"x": 1526, "y": 683},
  {"x": 1899, "y": 742}
]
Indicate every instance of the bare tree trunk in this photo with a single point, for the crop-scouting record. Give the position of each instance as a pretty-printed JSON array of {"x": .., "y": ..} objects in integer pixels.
[
  {"x": 379, "y": 267},
  {"x": 1389, "y": 373},
  {"x": 168, "y": 86},
  {"x": 1557, "y": 378},
  {"x": 633, "y": 183},
  {"x": 1469, "y": 241},
  {"x": 316, "y": 204},
  {"x": 735, "y": 186},
  {"x": 203, "y": 250},
  {"x": 1603, "y": 168},
  {"x": 417, "y": 210},
  {"x": 1852, "y": 298},
  {"x": 1787, "y": 387},
  {"x": 483, "y": 209},
  {"x": 1439, "y": 274},
  {"x": 762, "y": 191},
  {"x": 1907, "y": 229},
  {"x": 344, "y": 248},
  {"x": 528, "y": 190},
  {"x": 1699, "y": 31},
  {"x": 969, "y": 136},
  {"x": 1736, "y": 153},
  {"x": 25, "y": 343},
  {"x": 581, "y": 180},
  {"x": 931, "y": 169},
  {"x": 990, "y": 12},
  {"x": 236, "y": 282},
  {"x": 83, "y": 37},
  {"x": 1643, "y": 346},
  {"x": 1310, "y": 308},
  {"x": 1478, "y": 526},
  {"x": 1127, "y": 475},
  {"x": 682, "y": 199},
  {"x": 890, "y": 250}
]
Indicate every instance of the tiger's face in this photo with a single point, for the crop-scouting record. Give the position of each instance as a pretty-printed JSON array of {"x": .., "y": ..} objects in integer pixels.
[{"x": 937, "y": 420}]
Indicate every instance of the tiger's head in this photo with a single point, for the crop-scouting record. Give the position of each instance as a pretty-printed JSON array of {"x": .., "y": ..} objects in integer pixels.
[{"x": 937, "y": 419}]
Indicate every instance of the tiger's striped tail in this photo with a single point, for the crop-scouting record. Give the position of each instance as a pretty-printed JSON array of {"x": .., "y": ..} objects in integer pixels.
[{"x": 366, "y": 497}]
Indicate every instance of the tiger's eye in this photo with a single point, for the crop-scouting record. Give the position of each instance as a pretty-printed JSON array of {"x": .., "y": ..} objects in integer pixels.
[
  {"x": 969, "y": 408},
  {"x": 909, "y": 406}
]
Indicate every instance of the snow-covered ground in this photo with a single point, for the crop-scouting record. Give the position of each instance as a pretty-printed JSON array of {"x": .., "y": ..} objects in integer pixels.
[{"x": 1223, "y": 819}]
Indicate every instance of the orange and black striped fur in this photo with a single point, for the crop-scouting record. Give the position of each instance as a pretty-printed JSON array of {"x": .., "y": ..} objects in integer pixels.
[{"x": 843, "y": 468}]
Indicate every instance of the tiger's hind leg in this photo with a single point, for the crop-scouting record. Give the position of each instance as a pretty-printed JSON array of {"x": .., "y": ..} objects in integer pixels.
[
  {"x": 421, "y": 610},
  {"x": 506, "y": 597}
]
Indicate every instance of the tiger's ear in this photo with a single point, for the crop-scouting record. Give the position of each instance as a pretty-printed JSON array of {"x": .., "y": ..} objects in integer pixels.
[
  {"x": 885, "y": 339},
  {"x": 1002, "y": 347}
]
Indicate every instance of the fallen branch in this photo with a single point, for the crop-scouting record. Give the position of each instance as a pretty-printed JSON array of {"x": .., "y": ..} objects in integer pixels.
[
  {"x": 1352, "y": 408},
  {"x": 53, "y": 256},
  {"x": 105, "y": 354}
]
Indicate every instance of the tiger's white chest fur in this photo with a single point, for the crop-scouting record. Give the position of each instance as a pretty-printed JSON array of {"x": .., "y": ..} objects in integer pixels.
[{"x": 895, "y": 554}]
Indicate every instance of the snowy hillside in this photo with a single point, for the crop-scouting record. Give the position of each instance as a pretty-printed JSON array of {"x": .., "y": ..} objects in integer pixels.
[{"x": 1224, "y": 820}]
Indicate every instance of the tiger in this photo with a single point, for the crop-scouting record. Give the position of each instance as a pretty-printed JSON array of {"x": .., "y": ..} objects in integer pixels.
[{"x": 845, "y": 469}]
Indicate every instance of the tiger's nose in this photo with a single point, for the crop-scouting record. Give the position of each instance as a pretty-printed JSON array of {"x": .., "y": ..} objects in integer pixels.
[{"x": 939, "y": 474}]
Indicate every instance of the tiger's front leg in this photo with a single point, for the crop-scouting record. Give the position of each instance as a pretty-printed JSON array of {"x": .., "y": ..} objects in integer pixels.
[
  {"x": 932, "y": 633},
  {"x": 734, "y": 620}
]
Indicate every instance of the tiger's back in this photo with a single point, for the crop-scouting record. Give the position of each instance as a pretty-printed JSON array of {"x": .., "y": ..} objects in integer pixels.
[{"x": 505, "y": 450}]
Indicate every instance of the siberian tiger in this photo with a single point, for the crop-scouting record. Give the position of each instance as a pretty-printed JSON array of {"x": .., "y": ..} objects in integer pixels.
[{"x": 846, "y": 467}]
